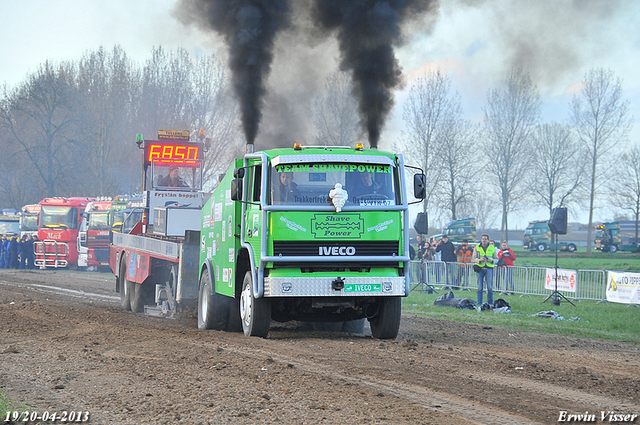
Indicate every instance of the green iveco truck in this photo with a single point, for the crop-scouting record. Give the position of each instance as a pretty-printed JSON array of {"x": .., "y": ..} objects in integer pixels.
[{"x": 330, "y": 251}]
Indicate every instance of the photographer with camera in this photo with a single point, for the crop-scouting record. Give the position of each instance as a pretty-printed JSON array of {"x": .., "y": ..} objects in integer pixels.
[
  {"x": 483, "y": 257},
  {"x": 506, "y": 257}
]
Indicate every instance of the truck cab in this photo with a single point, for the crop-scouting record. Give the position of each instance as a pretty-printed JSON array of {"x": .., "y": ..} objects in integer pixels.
[
  {"x": 58, "y": 225},
  {"x": 538, "y": 237},
  {"x": 29, "y": 220},
  {"x": 460, "y": 230},
  {"x": 309, "y": 233}
]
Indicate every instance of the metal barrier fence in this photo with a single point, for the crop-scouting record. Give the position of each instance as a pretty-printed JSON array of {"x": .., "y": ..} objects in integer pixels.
[{"x": 522, "y": 280}]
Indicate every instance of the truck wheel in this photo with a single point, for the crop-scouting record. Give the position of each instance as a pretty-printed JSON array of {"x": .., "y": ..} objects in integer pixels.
[
  {"x": 124, "y": 287},
  {"x": 212, "y": 312},
  {"x": 613, "y": 248},
  {"x": 254, "y": 312},
  {"x": 541, "y": 247},
  {"x": 571, "y": 248},
  {"x": 386, "y": 323}
]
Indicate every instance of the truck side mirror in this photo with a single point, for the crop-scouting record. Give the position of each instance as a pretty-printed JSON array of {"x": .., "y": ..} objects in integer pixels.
[
  {"x": 238, "y": 173},
  {"x": 419, "y": 186},
  {"x": 236, "y": 189}
]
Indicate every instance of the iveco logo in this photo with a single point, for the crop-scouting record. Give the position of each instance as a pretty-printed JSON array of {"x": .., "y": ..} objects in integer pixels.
[{"x": 336, "y": 250}]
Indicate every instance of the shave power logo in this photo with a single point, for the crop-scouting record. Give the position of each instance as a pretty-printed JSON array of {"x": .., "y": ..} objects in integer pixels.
[{"x": 330, "y": 226}]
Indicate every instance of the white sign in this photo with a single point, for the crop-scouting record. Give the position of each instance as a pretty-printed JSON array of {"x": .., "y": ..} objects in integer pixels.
[
  {"x": 566, "y": 280},
  {"x": 623, "y": 287}
]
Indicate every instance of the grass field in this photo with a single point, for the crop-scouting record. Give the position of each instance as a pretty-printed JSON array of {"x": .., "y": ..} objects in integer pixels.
[
  {"x": 607, "y": 321},
  {"x": 619, "y": 261}
]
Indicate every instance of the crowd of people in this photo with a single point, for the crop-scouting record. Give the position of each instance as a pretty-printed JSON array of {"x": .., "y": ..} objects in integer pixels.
[
  {"x": 454, "y": 264},
  {"x": 17, "y": 253}
]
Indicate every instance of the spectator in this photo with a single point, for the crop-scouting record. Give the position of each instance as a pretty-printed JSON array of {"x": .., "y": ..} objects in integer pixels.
[
  {"x": 508, "y": 257},
  {"x": 31, "y": 252},
  {"x": 464, "y": 257},
  {"x": 448, "y": 254},
  {"x": 484, "y": 255},
  {"x": 3, "y": 251},
  {"x": 24, "y": 242},
  {"x": 286, "y": 190},
  {"x": 13, "y": 251}
]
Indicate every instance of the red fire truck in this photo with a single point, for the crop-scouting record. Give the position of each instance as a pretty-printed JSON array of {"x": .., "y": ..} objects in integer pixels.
[
  {"x": 94, "y": 234},
  {"x": 58, "y": 224}
]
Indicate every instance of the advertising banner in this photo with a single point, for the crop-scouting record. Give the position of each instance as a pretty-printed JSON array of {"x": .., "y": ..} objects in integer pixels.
[
  {"x": 566, "y": 280},
  {"x": 623, "y": 287}
]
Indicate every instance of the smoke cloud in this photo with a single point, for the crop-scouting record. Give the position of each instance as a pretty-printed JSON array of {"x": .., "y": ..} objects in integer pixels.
[
  {"x": 367, "y": 32},
  {"x": 249, "y": 29}
]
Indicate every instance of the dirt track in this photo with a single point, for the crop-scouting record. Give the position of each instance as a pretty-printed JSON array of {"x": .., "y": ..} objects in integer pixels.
[{"x": 74, "y": 348}]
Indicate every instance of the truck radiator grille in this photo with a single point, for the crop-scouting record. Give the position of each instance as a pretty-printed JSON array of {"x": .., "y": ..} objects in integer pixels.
[{"x": 329, "y": 248}]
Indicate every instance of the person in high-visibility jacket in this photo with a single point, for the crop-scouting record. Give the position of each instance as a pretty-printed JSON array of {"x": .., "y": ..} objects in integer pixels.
[{"x": 484, "y": 255}]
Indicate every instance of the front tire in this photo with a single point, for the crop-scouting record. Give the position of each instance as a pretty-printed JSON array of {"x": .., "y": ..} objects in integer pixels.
[
  {"x": 125, "y": 301},
  {"x": 572, "y": 248},
  {"x": 255, "y": 313},
  {"x": 386, "y": 323},
  {"x": 613, "y": 248},
  {"x": 541, "y": 247}
]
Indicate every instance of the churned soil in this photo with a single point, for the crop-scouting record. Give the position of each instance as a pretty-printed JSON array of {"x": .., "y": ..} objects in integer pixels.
[{"x": 66, "y": 345}]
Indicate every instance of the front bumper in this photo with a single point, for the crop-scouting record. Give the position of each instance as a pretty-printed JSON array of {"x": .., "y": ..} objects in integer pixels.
[{"x": 369, "y": 286}]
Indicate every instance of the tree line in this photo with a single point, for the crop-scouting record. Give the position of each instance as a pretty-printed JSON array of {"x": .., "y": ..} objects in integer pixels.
[
  {"x": 69, "y": 130},
  {"x": 512, "y": 161}
]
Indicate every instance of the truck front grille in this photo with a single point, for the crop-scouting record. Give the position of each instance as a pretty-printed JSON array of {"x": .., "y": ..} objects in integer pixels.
[{"x": 330, "y": 248}]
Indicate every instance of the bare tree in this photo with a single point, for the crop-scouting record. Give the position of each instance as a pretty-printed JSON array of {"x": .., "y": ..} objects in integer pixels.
[
  {"x": 557, "y": 166},
  {"x": 37, "y": 115},
  {"x": 484, "y": 212},
  {"x": 166, "y": 91},
  {"x": 624, "y": 186},
  {"x": 106, "y": 89},
  {"x": 214, "y": 110},
  {"x": 459, "y": 170},
  {"x": 601, "y": 121},
  {"x": 335, "y": 113},
  {"x": 427, "y": 114},
  {"x": 510, "y": 116}
]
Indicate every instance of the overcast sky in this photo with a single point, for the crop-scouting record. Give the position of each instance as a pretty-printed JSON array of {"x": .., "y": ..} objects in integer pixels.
[{"x": 473, "y": 42}]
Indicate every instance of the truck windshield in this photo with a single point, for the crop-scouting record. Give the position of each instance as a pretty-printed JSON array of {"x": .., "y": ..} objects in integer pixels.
[
  {"x": 99, "y": 220},
  {"x": 366, "y": 185},
  {"x": 9, "y": 227},
  {"x": 58, "y": 217},
  {"x": 29, "y": 222}
]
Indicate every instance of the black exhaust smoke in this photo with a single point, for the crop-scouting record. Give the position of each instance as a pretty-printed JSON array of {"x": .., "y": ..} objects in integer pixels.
[
  {"x": 367, "y": 31},
  {"x": 249, "y": 28}
]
